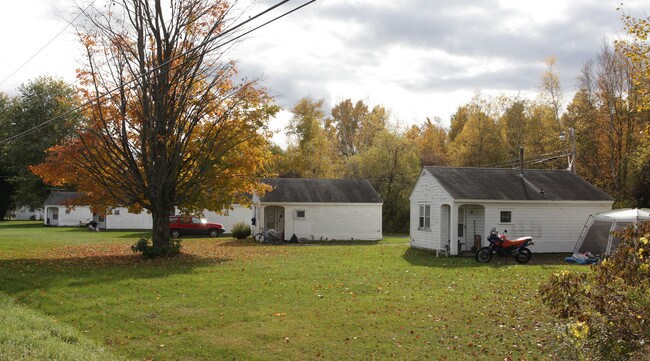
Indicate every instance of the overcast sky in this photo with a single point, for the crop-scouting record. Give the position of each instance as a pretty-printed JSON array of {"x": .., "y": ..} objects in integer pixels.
[{"x": 418, "y": 58}]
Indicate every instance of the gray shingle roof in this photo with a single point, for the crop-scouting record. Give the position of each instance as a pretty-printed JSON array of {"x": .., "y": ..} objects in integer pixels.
[
  {"x": 305, "y": 190},
  {"x": 507, "y": 184},
  {"x": 61, "y": 198}
]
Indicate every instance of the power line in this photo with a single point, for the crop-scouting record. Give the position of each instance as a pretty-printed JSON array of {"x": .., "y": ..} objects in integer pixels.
[
  {"x": 46, "y": 44},
  {"x": 537, "y": 159},
  {"x": 204, "y": 43}
]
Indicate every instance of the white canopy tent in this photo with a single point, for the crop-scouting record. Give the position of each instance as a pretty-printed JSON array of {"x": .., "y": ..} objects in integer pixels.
[{"x": 597, "y": 237}]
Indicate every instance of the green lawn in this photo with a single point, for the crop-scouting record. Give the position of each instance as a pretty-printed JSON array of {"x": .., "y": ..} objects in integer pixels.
[{"x": 227, "y": 299}]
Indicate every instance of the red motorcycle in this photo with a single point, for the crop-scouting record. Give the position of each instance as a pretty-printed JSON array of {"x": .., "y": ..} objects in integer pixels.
[{"x": 503, "y": 246}]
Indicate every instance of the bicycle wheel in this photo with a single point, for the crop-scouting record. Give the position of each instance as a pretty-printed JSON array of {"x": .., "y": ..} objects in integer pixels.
[{"x": 259, "y": 238}]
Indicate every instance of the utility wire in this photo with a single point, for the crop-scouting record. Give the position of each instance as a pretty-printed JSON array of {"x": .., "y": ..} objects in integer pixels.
[
  {"x": 204, "y": 43},
  {"x": 540, "y": 158},
  {"x": 128, "y": 83},
  {"x": 46, "y": 44}
]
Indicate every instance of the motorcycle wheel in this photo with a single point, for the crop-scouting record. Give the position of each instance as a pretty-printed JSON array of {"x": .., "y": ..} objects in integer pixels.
[
  {"x": 484, "y": 255},
  {"x": 523, "y": 256}
]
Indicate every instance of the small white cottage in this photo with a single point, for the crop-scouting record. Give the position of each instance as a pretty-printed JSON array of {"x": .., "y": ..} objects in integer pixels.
[
  {"x": 60, "y": 212},
  {"x": 456, "y": 208},
  {"x": 315, "y": 209},
  {"x": 27, "y": 213},
  {"x": 121, "y": 218}
]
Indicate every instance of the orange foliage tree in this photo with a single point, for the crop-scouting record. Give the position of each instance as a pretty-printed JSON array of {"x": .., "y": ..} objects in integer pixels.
[{"x": 176, "y": 129}]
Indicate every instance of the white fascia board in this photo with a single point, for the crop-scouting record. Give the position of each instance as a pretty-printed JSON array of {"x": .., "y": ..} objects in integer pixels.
[
  {"x": 479, "y": 201},
  {"x": 298, "y": 204}
]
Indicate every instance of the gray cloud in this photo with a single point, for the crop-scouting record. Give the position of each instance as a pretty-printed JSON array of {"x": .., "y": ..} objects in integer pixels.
[{"x": 476, "y": 31}]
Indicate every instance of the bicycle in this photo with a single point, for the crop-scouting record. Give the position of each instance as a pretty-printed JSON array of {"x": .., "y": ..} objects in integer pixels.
[{"x": 268, "y": 236}]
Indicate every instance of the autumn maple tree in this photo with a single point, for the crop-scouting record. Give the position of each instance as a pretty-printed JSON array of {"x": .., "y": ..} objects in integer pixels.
[{"x": 167, "y": 124}]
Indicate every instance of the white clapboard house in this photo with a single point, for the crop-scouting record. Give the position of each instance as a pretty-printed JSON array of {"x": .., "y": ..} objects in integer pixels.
[
  {"x": 27, "y": 213},
  {"x": 320, "y": 209},
  {"x": 455, "y": 208},
  {"x": 59, "y": 212}
]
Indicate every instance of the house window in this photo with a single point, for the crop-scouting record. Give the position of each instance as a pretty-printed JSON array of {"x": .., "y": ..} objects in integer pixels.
[
  {"x": 300, "y": 214},
  {"x": 424, "y": 217},
  {"x": 67, "y": 211},
  {"x": 506, "y": 216},
  {"x": 116, "y": 212}
]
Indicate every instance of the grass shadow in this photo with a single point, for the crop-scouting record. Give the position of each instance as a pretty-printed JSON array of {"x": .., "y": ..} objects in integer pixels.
[
  {"x": 335, "y": 242},
  {"x": 28, "y": 274},
  {"x": 250, "y": 242},
  {"x": 427, "y": 258},
  {"x": 123, "y": 233},
  {"x": 22, "y": 224},
  {"x": 135, "y": 234}
]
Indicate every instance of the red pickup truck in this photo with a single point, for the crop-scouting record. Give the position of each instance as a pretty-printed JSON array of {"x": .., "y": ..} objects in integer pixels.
[{"x": 192, "y": 225}]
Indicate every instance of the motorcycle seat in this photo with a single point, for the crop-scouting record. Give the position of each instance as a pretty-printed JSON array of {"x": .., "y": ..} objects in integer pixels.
[{"x": 515, "y": 242}]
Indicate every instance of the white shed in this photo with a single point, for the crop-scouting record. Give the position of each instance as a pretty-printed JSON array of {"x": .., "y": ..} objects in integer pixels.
[
  {"x": 60, "y": 210},
  {"x": 463, "y": 204},
  {"x": 332, "y": 209}
]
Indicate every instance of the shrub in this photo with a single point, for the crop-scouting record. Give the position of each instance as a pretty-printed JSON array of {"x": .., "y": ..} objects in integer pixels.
[
  {"x": 607, "y": 309},
  {"x": 144, "y": 246},
  {"x": 241, "y": 230}
]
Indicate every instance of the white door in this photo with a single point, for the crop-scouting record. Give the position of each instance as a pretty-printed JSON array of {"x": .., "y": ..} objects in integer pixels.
[{"x": 53, "y": 216}]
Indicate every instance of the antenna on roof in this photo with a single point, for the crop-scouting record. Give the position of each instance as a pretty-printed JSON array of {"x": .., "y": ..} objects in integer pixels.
[{"x": 521, "y": 161}]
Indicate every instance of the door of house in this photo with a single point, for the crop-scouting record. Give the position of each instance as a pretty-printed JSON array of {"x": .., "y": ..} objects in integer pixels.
[
  {"x": 274, "y": 218},
  {"x": 53, "y": 216}
]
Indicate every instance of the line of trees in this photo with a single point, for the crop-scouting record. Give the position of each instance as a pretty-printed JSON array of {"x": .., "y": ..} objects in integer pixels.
[
  {"x": 603, "y": 129},
  {"x": 37, "y": 101}
]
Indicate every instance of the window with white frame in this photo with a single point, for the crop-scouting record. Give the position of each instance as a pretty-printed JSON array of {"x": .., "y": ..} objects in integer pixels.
[
  {"x": 425, "y": 217},
  {"x": 116, "y": 212},
  {"x": 505, "y": 216},
  {"x": 67, "y": 211},
  {"x": 299, "y": 214}
]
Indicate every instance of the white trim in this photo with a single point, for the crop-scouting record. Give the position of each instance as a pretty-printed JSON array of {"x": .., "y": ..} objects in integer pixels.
[
  {"x": 283, "y": 204},
  {"x": 297, "y": 217},
  {"x": 422, "y": 214},
  {"x": 549, "y": 201}
]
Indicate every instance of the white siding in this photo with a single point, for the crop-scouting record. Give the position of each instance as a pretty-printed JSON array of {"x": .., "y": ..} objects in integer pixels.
[
  {"x": 128, "y": 220},
  {"x": 554, "y": 226},
  {"x": 143, "y": 220},
  {"x": 24, "y": 213},
  {"x": 332, "y": 221},
  {"x": 79, "y": 215},
  {"x": 428, "y": 191},
  {"x": 235, "y": 215}
]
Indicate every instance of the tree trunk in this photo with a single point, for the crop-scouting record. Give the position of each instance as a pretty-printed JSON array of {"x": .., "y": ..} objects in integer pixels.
[{"x": 160, "y": 232}]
